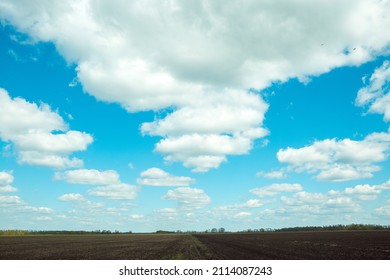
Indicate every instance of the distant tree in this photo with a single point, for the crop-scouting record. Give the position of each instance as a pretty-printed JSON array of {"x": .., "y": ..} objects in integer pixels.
[
  {"x": 214, "y": 230},
  {"x": 221, "y": 229}
]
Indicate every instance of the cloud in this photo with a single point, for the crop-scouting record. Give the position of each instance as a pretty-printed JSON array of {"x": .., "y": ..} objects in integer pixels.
[
  {"x": 243, "y": 215},
  {"x": 157, "y": 177},
  {"x": 72, "y": 197},
  {"x": 40, "y": 136},
  {"x": 384, "y": 210},
  {"x": 272, "y": 175},
  {"x": 188, "y": 198},
  {"x": 4, "y": 189},
  {"x": 375, "y": 95},
  {"x": 276, "y": 189},
  {"x": 339, "y": 160},
  {"x": 10, "y": 200},
  {"x": 193, "y": 57},
  {"x": 318, "y": 203},
  {"x": 89, "y": 177},
  {"x": 363, "y": 192},
  {"x": 6, "y": 178},
  {"x": 109, "y": 183},
  {"x": 137, "y": 216},
  {"x": 203, "y": 133},
  {"x": 115, "y": 192}
]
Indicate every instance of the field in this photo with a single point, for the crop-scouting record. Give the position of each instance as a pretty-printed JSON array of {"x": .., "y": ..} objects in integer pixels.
[{"x": 272, "y": 245}]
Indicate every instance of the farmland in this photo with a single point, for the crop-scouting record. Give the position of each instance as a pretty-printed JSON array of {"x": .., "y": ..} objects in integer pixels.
[{"x": 267, "y": 245}]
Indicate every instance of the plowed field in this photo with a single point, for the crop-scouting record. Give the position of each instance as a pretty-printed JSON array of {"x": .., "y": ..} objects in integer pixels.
[{"x": 284, "y": 245}]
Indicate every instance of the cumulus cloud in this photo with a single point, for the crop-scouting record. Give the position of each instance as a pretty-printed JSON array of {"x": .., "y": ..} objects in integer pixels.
[
  {"x": 375, "y": 95},
  {"x": 194, "y": 57},
  {"x": 339, "y": 160},
  {"x": 6, "y": 178},
  {"x": 72, "y": 197},
  {"x": 318, "y": 203},
  {"x": 10, "y": 200},
  {"x": 117, "y": 191},
  {"x": 4, "y": 189},
  {"x": 40, "y": 136},
  {"x": 272, "y": 174},
  {"x": 384, "y": 210},
  {"x": 137, "y": 216},
  {"x": 108, "y": 181},
  {"x": 363, "y": 192},
  {"x": 89, "y": 177},
  {"x": 188, "y": 198},
  {"x": 276, "y": 189},
  {"x": 157, "y": 177},
  {"x": 201, "y": 134}
]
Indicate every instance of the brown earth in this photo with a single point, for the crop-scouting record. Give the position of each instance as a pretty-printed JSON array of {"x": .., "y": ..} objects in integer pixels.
[{"x": 229, "y": 246}]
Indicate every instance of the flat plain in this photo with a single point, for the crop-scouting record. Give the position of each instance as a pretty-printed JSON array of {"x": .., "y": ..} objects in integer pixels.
[{"x": 327, "y": 245}]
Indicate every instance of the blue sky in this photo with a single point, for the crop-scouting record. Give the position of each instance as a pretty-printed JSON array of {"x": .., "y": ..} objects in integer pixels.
[{"x": 192, "y": 115}]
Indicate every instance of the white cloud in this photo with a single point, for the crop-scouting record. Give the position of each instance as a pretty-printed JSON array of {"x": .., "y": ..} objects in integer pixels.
[
  {"x": 123, "y": 52},
  {"x": 9, "y": 200},
  {"x": 363, "y": 192},
  {"x": 6, "y": 178},
  {"x": 339, "y": 160},
  {"x": 188, "y": 198},
  {"x": 168, "y": 213},
  {"x": 137, "y": 216},
  {"x": 272, "y": 174},
  {"x": 109, "y": 184},
  {"x": 243, "y": 215},
  {"x": 117, "y": 191},
  {"x": 276, "y": 189},
  {"x": 318, "y": 203},
  {"x": 203, "y": 133},
  {"x": 384, "y": 210},
  {"x": 376, "y": 95},
  {"x": 72, "y": 197},
  {"x": 157, "y": 177},
  {"x": 4, "y": 189},
  {"x": 31, "y": 129},
  {"x": 89, "y": 177}
]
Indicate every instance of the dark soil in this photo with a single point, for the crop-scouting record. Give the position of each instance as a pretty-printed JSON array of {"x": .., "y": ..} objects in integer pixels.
[
  {"x": 337, "y": 245},
  {"x": 347, "y": 245}
]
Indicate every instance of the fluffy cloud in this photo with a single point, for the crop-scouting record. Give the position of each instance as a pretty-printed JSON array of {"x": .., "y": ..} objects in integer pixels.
[
  {"x": 363, "y": 192},
  {"x": 376, "y": 95},
  {"x": 243, "y": 215},
  {"x": 201, "y": 134},
  {"x": 318, "y": 203},
  {"x": 272, "y": 175},
  {"x": 339, "y": 160},
  {"x": 4, "y": 189},
  {"x": 136, "y": 216},
  {"x": 188, "y": 198},
  {"x": 117, "y": 191},
  {"x": 89, "y": 177},
  {"x": 190, "y": 56},
  {"x": 6, "y": 178},
  {"x": 109, "y": 184},
  {"x": 72, "y": 197},
  {"x": 31, "y": 129},
  {"x": 276, "y": 189},
  {"x": 384, "y": 210},
  {"x": 157, "y": 177},
  {"x": 9, "y": 200}
]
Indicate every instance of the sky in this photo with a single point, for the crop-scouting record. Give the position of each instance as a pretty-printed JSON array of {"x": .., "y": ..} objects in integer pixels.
[{"x": 191, "y": 115}]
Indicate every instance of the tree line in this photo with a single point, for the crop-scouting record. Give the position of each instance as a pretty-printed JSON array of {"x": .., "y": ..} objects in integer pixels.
[{"x": 212, "y": 230}]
